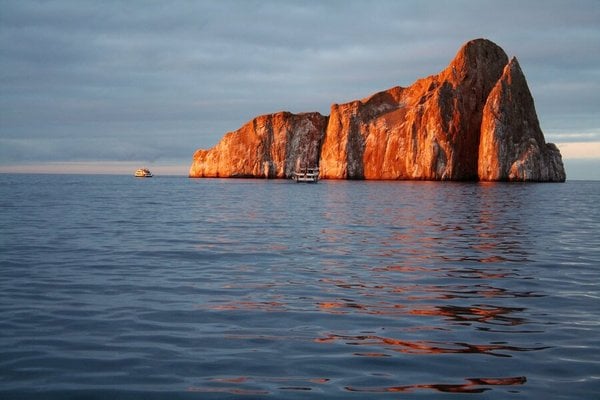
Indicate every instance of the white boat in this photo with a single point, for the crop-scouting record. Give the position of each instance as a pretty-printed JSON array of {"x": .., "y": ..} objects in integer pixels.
[
  {"x": 309, "y": 175},
  {"x": 143, "y": 173}
]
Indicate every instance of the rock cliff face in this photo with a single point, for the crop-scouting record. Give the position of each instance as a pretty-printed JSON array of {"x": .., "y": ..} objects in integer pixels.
[
  {"x": 512, "y": 145},
  {"x": 474, "y": 120},
  {"x": 269, "y": 146}
]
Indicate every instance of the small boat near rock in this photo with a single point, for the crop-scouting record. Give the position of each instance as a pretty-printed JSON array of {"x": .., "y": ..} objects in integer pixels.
[
  {"x": 143, "y": 173},
  {"x": 308, "y": 175}
]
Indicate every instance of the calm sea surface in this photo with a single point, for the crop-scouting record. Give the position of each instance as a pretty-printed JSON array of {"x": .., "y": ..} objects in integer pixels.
[{"x": 116, "y": 287}]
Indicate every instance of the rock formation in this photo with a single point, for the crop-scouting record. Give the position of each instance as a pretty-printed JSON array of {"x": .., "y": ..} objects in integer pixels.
[
  {"x": 269, "y": 146},
  {"x": 512, "y": 145},
  {"x": 474, "y": 120}
]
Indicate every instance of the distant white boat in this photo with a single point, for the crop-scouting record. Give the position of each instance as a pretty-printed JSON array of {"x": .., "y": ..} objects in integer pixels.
[
  {"x": 308, "y": 175},
  {"x": 143, "y": 173}
]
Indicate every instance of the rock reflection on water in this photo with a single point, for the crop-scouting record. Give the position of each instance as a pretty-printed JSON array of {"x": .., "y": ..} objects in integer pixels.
[
  {"x": 424, "y": 311},
  {"x": 264, "y": 289},
  {"x": 397, "y": 277},
  {"x": 473, "y": 385},
  {"x": 426, "y": 347},
  {"x": 484, "y": 314},
  {"x": 246, "y": 385}
]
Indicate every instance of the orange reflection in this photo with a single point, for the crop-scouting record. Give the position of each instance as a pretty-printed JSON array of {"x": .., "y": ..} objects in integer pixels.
[
  {"x": 404, "y": 268},
  {"x": 331, "y": 304},
  {"x": 334, "y": 306},
  {"x": 319, "y": 380},
  {"x": 425, "y": 347},
  {"x": 343, "y": 306},
  {"x": 375, "y": 355},
  {"x": 232, "y": 390},
  {"x": 474, "y": 291},
  {"x": 473, "y": 385},
  {"x": 420, "y": 292},
  {"x": 292, "y": 384},
  {"x": 477, "y": 273},
  {"x": 481, "y": 314},
  {"x": 250, "y": 305},
  {"x": 239, "y": 379}
]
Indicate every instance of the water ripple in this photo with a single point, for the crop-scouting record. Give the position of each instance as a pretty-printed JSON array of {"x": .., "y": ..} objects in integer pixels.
[{"x": 176, "y": 288}]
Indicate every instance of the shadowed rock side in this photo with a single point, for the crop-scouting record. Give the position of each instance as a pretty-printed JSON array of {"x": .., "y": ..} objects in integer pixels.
[
  {"x": 474, "y": 120},
  {"x": 512, "y": 146}
]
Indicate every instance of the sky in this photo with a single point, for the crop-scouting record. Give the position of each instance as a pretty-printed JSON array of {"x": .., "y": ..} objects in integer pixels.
[{"x": 109, "y": 86}]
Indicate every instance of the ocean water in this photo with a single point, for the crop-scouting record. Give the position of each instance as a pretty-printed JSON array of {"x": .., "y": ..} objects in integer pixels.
[{"x": 116, "y": 287}]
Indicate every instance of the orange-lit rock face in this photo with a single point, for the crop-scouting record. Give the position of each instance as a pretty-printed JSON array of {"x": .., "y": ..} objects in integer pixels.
[
  {"x": 269, "y": 146},
  {"x": 474, "y": 120},
  {"x": 429, "y": 130}
]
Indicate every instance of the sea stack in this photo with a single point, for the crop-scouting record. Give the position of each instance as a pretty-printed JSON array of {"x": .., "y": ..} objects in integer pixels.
[
  {"x": 475, "y": 120},
  {"x": 512, "y": 146}
]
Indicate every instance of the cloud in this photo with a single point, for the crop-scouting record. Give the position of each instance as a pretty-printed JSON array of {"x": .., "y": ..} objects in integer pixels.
[
  {"x": 578, "y": 150},
  {"x": 181, "y": 74}
]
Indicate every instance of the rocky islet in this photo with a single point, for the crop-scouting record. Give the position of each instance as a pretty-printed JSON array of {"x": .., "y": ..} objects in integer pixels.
[{"x": 475, "y": 120}]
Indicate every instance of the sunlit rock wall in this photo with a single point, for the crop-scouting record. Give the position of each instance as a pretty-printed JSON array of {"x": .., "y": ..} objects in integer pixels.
[{"x": 475, "y": 120}]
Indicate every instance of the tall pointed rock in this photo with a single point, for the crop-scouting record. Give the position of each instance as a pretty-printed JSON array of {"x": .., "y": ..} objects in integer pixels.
[{"x": 512, "y": 145}]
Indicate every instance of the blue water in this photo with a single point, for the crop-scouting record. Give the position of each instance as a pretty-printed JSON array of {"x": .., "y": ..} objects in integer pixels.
[{"x": 116, "y": 287}]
